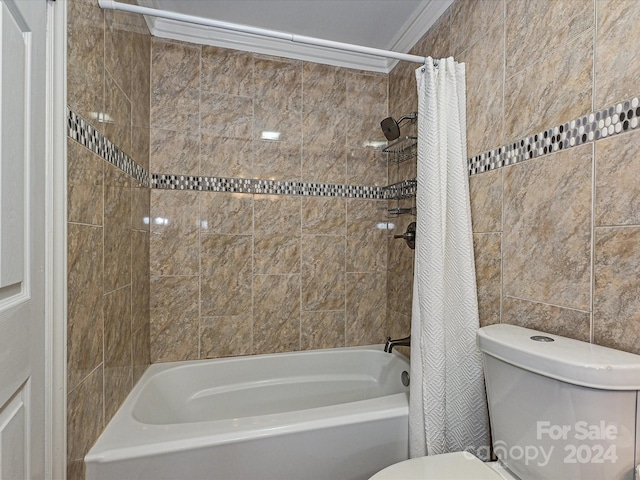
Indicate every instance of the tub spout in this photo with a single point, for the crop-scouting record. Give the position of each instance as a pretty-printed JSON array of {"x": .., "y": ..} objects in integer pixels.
[{"x": 404, "y": 342}]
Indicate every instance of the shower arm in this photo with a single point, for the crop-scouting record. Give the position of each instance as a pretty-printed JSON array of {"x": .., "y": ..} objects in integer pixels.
[{"x": 263, "y": 32}]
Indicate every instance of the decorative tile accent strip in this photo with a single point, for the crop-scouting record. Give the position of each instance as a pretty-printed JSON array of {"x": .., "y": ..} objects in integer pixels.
[
  {"x": 85, "y": 134},
  {"x": 268, "y": 187},
  {"x": 588, "y": 128}
]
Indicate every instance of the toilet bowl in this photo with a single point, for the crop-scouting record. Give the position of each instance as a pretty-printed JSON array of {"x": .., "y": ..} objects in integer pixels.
[
  {"x": 559, "y": 409},
  {"x": 448, "y": 466}
]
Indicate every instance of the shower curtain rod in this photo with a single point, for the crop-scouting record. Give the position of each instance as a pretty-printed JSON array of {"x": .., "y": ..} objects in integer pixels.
[{"x": 292, "y": 37}]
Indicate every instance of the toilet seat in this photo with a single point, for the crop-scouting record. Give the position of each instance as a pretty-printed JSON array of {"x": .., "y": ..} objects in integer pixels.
[{"x": 448, "y": 466}]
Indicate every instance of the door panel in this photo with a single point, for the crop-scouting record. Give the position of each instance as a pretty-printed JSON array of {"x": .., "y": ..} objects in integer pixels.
[{"x": 23, "y": 114}]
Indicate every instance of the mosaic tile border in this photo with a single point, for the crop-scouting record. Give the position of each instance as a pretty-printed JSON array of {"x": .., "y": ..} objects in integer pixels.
[
  {"x": 607, "y": 122},
  {"x": 267, "y": 187},
  {"x": 85, "y": 134}
]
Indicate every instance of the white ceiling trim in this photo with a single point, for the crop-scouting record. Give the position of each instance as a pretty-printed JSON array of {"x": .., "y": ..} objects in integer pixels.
[{"x": 426, "y": 15}]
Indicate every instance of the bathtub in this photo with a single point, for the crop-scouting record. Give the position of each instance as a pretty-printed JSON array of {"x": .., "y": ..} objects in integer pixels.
[{"x": 335, "y": 414}]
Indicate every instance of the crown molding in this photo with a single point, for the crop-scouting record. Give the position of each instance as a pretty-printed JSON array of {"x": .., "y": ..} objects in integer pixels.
[{"x": 412, "y": 32}]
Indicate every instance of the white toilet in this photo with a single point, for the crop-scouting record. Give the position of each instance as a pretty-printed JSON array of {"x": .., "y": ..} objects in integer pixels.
[{"x": 560, "y": 409}]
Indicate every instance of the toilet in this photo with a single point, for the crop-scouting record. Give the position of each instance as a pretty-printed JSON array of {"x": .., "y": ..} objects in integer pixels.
[{"x": 559, "y": 409}]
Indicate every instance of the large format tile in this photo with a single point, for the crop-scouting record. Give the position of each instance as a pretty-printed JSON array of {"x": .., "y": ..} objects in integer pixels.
[
  {"x": 85, "y": 421},
  {"x": 471, "y": 19},
  {"x": 485, "y": 192},
  {"x": 532, "y": 29},
  {"x": 84, "y": 185},
  {"x": 484, "y": 64},
  {"x": 325, "y": 87},
  {"x": 175, "y": 85},
  {"x": 226, "y": 336},
  {"x": 547, "y": 318},
  {"x": 226, "y": 264},
  {"x": 617, "y": 65},
  {"x": 276, "y": 314},
  {"x": 616, "y": 297},
  {"x": 324, "y": 329},
  {"x": 366, "y": 312},
  {"x": 174, "y": 318},
  {"x": 117, "y": 237},
  {"x": 547, "y": 229},
  {"x": 488, "y": 265},
  {"x": 230, "y": 213},
  {"x": 539, "y": 97},
  {"x": 174, "y": 248},
  {"x": 617, "y": 183},
  {"x": 323, "y": 272},
  {"x": 85, "y": 297},
  {"x": 174, "y": 152},
  {"x": 227, "y": 71}
]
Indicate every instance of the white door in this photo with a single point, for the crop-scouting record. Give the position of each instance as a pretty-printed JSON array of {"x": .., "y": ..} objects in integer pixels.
[{"x": 22, "y": 237}]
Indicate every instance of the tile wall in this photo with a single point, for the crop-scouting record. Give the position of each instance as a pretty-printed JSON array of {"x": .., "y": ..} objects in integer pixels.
[
  {"x": 237, "y": 272},
  {"x": 108, "y": 212},
  {"x": 556, "y": 236}
]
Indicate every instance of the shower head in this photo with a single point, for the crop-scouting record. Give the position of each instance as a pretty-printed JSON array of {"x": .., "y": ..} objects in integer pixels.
[{"x": 391, "y": 127}]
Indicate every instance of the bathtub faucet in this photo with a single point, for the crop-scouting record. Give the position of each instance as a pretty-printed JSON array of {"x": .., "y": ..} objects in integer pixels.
[{"x": 404, "y": 342}]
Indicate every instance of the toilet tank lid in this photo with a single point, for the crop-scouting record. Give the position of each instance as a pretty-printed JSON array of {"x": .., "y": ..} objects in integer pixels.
[{"x": 563, "y": 359}]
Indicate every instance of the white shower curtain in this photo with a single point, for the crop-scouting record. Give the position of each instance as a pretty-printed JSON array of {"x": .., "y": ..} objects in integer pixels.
[{"x": 448, "y": 410}]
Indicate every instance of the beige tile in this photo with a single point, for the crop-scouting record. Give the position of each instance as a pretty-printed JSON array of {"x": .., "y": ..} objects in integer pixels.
[
  {"x": 324, "y": 215},
  {"x": 364, "y": 216},
  {"x": 402, "y": 89},
  {"x": 325, "y": 128},
  {"x": 230, "y": 213},
  {"x": 225, "y": 275},
  {"x": 140, "y": 141},
  {"x": 471, "y": 19},
  {"x": 366, "y": 166},
  {"x": 485, "y": 192},
  {"x": 174, "y": 152},
  {"x": 117, "y": 328},
  {"x": 617, "y": 65},
  {"x": 367, "y": 252},
  {"x": 276, "y": 313},
  {"x": 84, "y": 185},
  {"x": 141, "y": 80},
  {"x": 366, "y": 312},
  {"x": 226, "y": 336},
  {"x": 227, "y": 71},
  {"x": 488, "y": 260},
  {"x": 84, "y": 307},
  {"x": 323, "y": 272},
  {"x": 84, "y": 422},
  {"x": 117, "y": 107},
  {"x": 175, "y": 85},
  {"x": 226, "y": 157},
  {"x": 400, "y": 277},
  {"x": 325, "y": 87},
  {"x": 117, "y": 237},
  {"x": 616, "y": 305},
  {"x": 174, "y": 318},
  {"x": 118, "y": 49},
  {"x": 141, "y": 352},
  {"x": 226, "y": 115},
  {"x": 547, "y": 231},
  {"x": 547, "y": 318},
  {"x": 322, "y": 330},
  {"x": 539, "y": 97},
  {"x": 617, "y": 184},
  {"x": 366, "y": 93},
  {"x": 276, "y": 215},
  {"x": 324, "y": 163},
  {"x": 398, "y": 325},
  {"x": 276, "y": 160},
  {"x": 276, "y": 254},
  {"x": 484, "y": 65},
  {"x": 139, "y": 280},
  {"x": 118, "y": 382},
  {"x": 174, "y": 247},
  {"x": 532, "y": 29},
  {"x": 364, "y": 130},
  {"x": 278, "y": 109},
  {"x": 140, "y": 208},
  {"x": 85, "y": 59}
]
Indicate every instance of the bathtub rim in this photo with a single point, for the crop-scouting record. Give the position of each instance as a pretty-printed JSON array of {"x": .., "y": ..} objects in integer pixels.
[{"x": 148, "y": 439}]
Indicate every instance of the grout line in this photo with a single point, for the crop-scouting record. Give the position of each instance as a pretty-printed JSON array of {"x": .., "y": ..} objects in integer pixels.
[{"x": 548, "y": 304}]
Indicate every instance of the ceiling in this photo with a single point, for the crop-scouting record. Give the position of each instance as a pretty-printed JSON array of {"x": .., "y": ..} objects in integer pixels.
[{"x": 387, "y": 24}]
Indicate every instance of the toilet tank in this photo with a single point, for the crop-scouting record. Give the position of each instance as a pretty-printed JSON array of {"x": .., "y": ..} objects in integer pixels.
[{"x": 560, "y": 409}]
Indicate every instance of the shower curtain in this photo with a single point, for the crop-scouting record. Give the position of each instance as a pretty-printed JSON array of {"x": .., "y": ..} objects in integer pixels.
[{"x": 448, "y": 410}]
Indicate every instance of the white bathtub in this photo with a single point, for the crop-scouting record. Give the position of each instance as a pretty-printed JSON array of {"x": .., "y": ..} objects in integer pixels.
[{"x": 337, "y": 414}]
